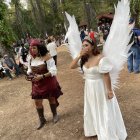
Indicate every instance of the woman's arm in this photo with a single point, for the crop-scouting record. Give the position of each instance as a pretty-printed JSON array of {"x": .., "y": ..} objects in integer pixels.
[
  {"x": 107, "y": 81},
  {"x": 74, "y": 63}
]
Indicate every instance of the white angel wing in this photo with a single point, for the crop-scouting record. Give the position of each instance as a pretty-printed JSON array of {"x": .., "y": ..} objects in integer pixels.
[
  {"x": 73, "y": 36},
  {"x": 116, "y": 46}
]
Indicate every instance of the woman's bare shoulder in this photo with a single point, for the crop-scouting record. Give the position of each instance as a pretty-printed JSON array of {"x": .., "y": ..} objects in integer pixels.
[{"x": 100, "y": 56}]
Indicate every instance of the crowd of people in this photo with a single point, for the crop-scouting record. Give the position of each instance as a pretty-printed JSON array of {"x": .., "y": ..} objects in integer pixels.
[
  {"x": 11, "y": 67},
  {"x": 98, "y": 36},
  {"x": 14, "y": 66}
]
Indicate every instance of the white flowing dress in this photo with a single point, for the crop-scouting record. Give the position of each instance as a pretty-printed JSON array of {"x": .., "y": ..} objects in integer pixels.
[{"x": 102, "y": 117}]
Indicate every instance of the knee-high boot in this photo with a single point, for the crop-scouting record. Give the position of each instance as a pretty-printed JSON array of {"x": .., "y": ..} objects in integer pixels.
[
  {"x": 42, "y": 119},
  {"x": 54, "y": 112}
]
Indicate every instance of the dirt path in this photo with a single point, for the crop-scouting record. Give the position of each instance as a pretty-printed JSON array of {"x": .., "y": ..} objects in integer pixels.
[{"x": 18, "y": 117}]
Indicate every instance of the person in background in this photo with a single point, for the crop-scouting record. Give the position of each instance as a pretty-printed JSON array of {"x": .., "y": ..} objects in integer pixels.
[
  {"x": 107, "y": 27},
  {"x": 26, "y": 45},
  {"x": 86, "y": 32},
  {"x": 16, "y": 49},
  {"x": 22, "y": 59},
  {"x": 105, "y": 34},
  {"x": 5, "y": 71},
  {"x": 23, "y": 52},
  {"x": 82, "y": 34},
  {"x": 10, "y": 64},
  {"x": 52, "y": 48},
  {"x": 133, "y": 62},
  {"x": 93, "y": 35},
  {"x": 102, "y": 27}
]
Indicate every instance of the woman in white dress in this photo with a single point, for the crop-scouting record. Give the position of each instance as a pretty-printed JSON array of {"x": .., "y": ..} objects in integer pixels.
[{"x": 102, "y": 116}]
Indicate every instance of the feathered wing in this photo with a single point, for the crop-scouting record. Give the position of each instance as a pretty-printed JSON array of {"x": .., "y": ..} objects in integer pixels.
[
  {"x": 73, "y": 36},
  {"x": 116, "y": 47}
]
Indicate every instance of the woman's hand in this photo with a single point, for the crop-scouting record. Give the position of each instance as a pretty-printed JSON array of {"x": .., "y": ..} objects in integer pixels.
[
  {"x": 110, "y": 94},
  {"x": 83, "y": 52},
  {"x": 37, "y": 77},
  {"x": 74, "y": 63}
]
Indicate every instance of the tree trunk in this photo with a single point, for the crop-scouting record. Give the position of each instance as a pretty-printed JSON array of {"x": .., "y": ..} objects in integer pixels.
[
  {"x": 35, "y": 15},
  {"x": 41, "y": 16}
]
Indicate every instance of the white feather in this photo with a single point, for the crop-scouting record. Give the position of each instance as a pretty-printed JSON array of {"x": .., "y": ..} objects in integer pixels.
[
  {"x": 116, "y": 46},
  {"x": 73, "y": 36}
]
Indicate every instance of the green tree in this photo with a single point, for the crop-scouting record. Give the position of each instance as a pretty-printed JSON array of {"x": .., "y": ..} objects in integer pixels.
[
  {"x": 6, "y": 34},
  {"x": 135, "y": 11}
]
